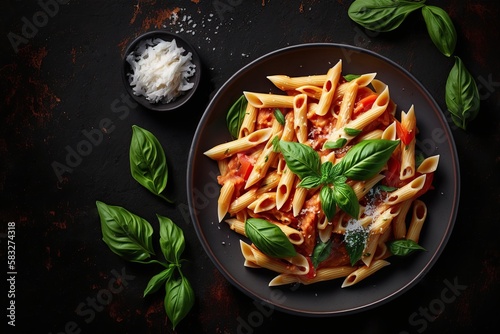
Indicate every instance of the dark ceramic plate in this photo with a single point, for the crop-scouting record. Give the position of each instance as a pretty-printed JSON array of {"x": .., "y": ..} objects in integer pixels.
[
  {"x": 168, "y": 37},
  {"x": 325, "y": 298}
]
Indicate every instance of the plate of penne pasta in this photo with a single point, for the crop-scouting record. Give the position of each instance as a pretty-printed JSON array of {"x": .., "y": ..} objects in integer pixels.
[{"x": 323, "y": 180}]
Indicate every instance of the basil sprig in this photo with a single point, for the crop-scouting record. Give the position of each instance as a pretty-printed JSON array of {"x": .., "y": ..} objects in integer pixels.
[
  {"x": 269, "y": 238},
  {"x": 148, "y": 164},
  {"x": 382, "y": 15},
  {"x": 440, "y": 28},
  {"x": 235, "y": 116},
  {"x": 130, "y": 237},
  {"x": 363, "y": 161},
  {"x": 403, "y": 247},
  {"x": 462, "y": 95}
]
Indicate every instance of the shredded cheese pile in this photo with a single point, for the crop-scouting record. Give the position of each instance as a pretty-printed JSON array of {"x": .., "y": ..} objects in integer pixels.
[{"x": 160, "y": 71}]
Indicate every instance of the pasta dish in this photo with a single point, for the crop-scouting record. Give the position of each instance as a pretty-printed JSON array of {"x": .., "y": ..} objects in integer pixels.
[{"x": 323, "y": 178}]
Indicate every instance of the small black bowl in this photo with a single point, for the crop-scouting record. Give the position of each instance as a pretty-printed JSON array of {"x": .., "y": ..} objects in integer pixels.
[{"x": 195, "y": 79}]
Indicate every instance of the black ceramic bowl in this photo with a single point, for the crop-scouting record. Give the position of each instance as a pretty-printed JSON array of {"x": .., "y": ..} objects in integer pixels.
[
  {"x": 195, "y": 79},
  {"x": 323, "y": 298}
]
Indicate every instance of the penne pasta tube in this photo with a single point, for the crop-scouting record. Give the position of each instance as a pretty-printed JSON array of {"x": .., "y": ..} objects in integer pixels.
[
  {"x": 419, "y": 214},
  {"x": 224, "y": 200},
  {"x": 407, "y": 191},
  {"x": 248, "y": 124},
  {"x": 399, "y": 223},
  {"x": 236, "y": 225},
  {"x": 347, "y": 105},
  {"x": 322, "y": 274},
  {"x": 264, "y": 202},
  {"x": 239, "y": 145},
  {"x": 285, "y": 187},
  {"x": 428, "y": 165},
  {"x": 262, "y": 100},
  {"x": 408, "y": 122},
  {"x": 311, "y": 91},
  {"x": 286, "y": 83},
  {"x": 300, "y": 117},
  {"x": 363, "y": 272},
  {"x": 370, "y": 249},
  {"x": 329, "y": 87},
  {"x": 390, "y": 132}
]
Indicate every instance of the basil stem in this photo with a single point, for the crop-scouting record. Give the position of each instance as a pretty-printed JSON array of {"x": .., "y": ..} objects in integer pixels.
[
  {"x": 269, "y": 238},
  {"x": 235, "y": 116},
  {"x": 403, "y": 247},
  {"x": 382, "y": 15},
  {"x": 148, "y": 164},
  {"x": 441, "y": 29},
  {"x": 462, "y": 95},
  {"x": 126, "y": 234}
]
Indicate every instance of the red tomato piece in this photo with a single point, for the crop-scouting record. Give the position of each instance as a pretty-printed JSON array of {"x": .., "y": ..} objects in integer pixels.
[
  {"x": 403, "y": 134},
  {"x": 364, "y": 104},
  {"x": 246, "y": 166}
]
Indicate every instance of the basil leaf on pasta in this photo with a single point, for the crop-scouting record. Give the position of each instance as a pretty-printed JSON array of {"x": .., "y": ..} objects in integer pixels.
[
  {"x": 269, "y": 238},
  {"x": 301, "y": 159},
  {"x": 365, "y": 159},
  {"x": 235, "y": 116},
  {"x": 403, "y": 247}
]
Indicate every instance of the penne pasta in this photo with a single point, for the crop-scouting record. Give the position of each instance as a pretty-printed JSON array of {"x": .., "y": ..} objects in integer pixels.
[
  {"x": 261, "y": 100},
  {"x": 239, "y": 145},
  {"x": 256, "y": 180}
]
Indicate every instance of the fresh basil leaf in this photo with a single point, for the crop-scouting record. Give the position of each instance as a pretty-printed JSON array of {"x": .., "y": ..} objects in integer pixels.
[
  {"x": 321, "y": 252},
  {"x": 331, "y": 145},
  {"x": 235, "y": 116},
  {"x": 276, "y": 144},
  {"x": 387, "y": 188},
  {"x": 365, "y": 159},
  {"x": 440, "y": 28},
  {"x": 179, "y": 299},
  {"x": 329, "y": 172},
  {"x": 346, "y": 199},
  {"x": 350, "y": 77},
  {"x": 352, "y": 132},
  {"x": 148, "y": 164},
  {"x": 158, "y": 281},
  {"x": 355, "y": 242},
  {"x": 310, "y": 182},
  {"x": 327, "y": 200},
  {"x": 382, "y": 15},
  {"x": 403, "y": 247},
  {"x": 462, "y": 95},
  {"x": 125, "y": 233},
  {"x": 172, "y": 241},
  {"x": 279, "y": 116},
  {"x": 301, "y": 159},
  {"x": 269, "y": 238}
]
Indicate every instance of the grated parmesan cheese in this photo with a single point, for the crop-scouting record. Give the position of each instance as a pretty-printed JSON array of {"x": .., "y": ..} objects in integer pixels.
[{"x": 160, "y": 71}]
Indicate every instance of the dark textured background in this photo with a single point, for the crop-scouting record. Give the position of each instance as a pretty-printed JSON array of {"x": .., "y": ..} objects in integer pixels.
[{"x": 64, "y": 80}]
